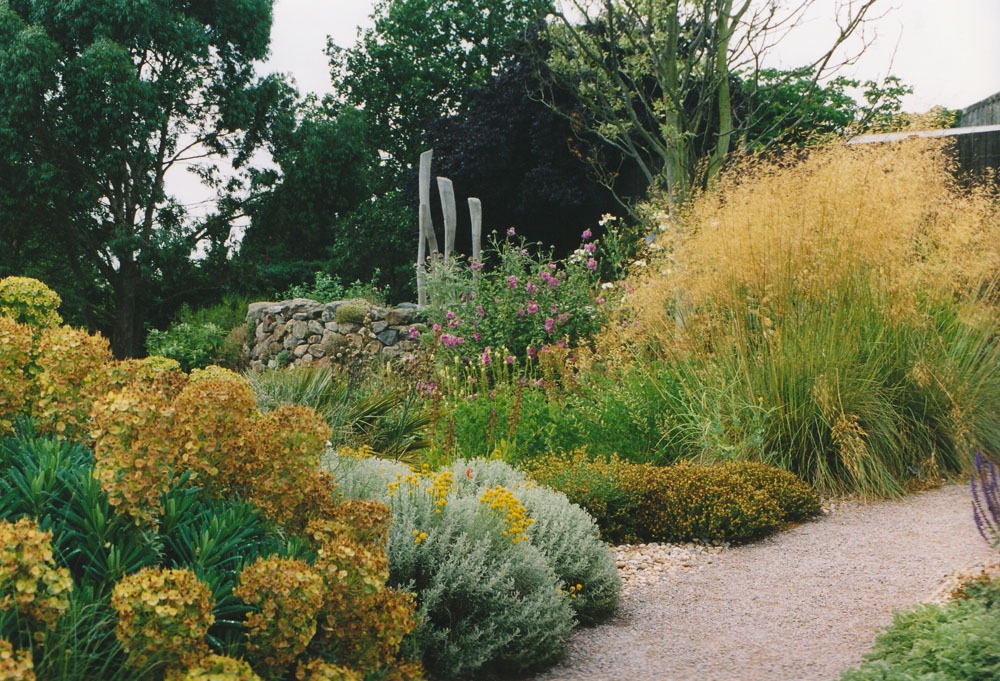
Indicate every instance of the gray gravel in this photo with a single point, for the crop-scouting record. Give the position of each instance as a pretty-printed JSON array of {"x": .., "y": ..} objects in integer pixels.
[{"x": 803, "y": 605}]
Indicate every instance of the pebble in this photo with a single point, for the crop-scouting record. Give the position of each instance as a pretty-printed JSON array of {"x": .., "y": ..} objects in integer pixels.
[{"x": 642, "y": 564}]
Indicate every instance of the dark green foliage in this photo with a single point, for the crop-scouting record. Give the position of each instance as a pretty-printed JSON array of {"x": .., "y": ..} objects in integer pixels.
[
  {"x": 421, "y": 58},
  {"x": 736, "y": 501},
  {"x": 959, "y": 641},
  {"x": 99, "y": 102},
  {"x": 519, "y": 157}
]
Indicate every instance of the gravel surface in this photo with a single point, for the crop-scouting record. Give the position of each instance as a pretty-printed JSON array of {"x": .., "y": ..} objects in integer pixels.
[{"x": 802, "y": 605}]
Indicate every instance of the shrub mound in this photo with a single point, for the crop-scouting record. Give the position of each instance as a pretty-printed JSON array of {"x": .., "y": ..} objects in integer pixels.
[
  {"x": 736, "y": 501},
  {"x": 502, "y": 569}
]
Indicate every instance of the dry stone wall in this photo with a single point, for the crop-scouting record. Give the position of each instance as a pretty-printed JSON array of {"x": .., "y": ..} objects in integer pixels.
[{"x": 305, "y": 332}]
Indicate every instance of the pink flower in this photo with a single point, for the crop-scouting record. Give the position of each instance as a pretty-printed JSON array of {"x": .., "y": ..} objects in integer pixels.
[
  {"x": 480, "y": 311},
  {"x": 532, "y": 307},
  {"x": 485, "y": 356},
  {"x": 530, "y": 287},
  {"x": 453, "y": 324},
  {"x": 523, "y": 252},
  {"x": 586, "y": 234},
  {"x": 450, "y": 341},
  {"x": 476, "y": 336},
  {"x": 590, "y": 248},
  {"x": 554, "y": 309},
  {"x": 512, "y": 282},
  {"x": 475, "y": 265},
  {"x": 591, "y": 264},
  {"x": 414, "y": 333},
  {"x": 510, "y": 359},
  {"x": 435, "y": 328},
  {"x": 511, "y": 232},
  {"x": 532, "y": 352},
  {"x": 520, "y": 312},
  {"x": 562, "y": 317},
  {"x": 561, "y": 343},
  {"x": 550, "y": 324},
  {"x": 449, "y": 315}
]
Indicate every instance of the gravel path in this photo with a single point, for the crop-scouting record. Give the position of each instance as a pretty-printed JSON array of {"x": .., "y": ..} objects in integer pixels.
[{"x": 800, "y": 606}]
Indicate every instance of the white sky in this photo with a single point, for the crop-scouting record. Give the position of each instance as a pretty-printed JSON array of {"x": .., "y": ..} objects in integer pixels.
[{"x": 948, "y": 50}]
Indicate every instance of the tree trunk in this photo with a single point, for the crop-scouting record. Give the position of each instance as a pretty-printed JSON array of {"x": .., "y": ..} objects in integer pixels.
[
  {"x": 126, "y": 336},
  {"x": 724, "y": 32}
]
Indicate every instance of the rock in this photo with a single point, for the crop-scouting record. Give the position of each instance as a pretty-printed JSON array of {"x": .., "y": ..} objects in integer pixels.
[
  {"x": 379, "y": 327},
  {"x": 316, "y": 326},
  {"x": 300, "y": 329},
  {"x": 387, "y": 337}
]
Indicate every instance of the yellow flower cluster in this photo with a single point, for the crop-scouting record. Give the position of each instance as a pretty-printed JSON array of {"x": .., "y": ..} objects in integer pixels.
[
  {"x": 360, "y": 618},
  {"x": 515, "y": 517},
  {"x": 147, "y": 434},
  {"x": 30, "y": 302},
  {"x": 440, "y": 486},
  {"x": 321, "y": 670},
  {"x": 163, "y": 616},
  {"x": 72, "y": 370},
  {"x": 15, "y": 353},
  {"x": 437, "y": 485},
  {"x": 286, "y": 595},
  {"x": 15, "y": 666},
  {"x": 30, "y": 583},
  {"x": 214, "y": 668},
  {"x": 574, "y": 590},
  {"x": 419, "y": 537}
]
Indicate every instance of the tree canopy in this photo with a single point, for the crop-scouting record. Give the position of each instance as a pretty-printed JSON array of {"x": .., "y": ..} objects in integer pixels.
[
  {"x": 98, "y": 102},
  {"x": 421, "y": 58}
]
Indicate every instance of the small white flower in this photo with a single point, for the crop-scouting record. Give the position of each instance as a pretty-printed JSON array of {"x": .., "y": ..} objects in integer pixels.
[
  {"x": 607, "y": 286},
  {"x": 639, "y": 263}
]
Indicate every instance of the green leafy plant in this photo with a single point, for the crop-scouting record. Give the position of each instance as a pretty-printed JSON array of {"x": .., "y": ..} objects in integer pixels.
[
  {"x": 502, "y": 570},
  {"x": 956, "y": 641},
  {"x": 326, "y": 288},
  {"x": 516, "y": 302}
]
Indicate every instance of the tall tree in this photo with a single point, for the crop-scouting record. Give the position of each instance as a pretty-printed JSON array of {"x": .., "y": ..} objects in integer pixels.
[
  {"x": 420, "y": 59},
  {"x": 651, "y": 76},
  {"x": 99, "y": 100}
]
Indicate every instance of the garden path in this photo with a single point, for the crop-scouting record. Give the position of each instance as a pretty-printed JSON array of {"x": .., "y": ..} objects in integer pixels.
[{"x": 802, "y": 605}]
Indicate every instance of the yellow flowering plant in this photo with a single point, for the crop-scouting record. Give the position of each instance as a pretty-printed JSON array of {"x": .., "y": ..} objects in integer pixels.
[
  {"x": 15, "y": 665},
  {"x": 30, "y": 302},
  {"x": 31, "y": 586},
  {"x": 515, "y": 517},
  {"x": 286, "y": 596},
  {"x": 15, "y": 386},
  {"x": 163, "y": 617},
  {"x": 214, "y": 668}
]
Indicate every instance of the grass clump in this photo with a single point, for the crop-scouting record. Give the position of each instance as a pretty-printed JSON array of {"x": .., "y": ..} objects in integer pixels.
[
  {"x": 835, "y": 317},
  {"x": 735, "y": 501}
]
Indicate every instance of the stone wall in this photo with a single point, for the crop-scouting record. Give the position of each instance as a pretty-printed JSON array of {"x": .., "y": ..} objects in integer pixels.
[{"x": 300, "y": 331}]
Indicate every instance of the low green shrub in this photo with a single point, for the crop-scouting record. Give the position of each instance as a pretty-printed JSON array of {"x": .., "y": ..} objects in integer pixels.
[
  {"x": 736, "y": 501},
  {"x": 502, "y": 569},
  {"x": 209, "y": 335},
  {"x": 326, "y": 288},
  {"x": 957, "y": 641}
]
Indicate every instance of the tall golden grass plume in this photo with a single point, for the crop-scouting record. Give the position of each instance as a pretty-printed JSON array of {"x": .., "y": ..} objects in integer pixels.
[{"x": 780, "y": 232}]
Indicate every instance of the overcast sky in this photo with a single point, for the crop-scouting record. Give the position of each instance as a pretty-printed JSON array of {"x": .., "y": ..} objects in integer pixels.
[{"x": 948, "y": 50}]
